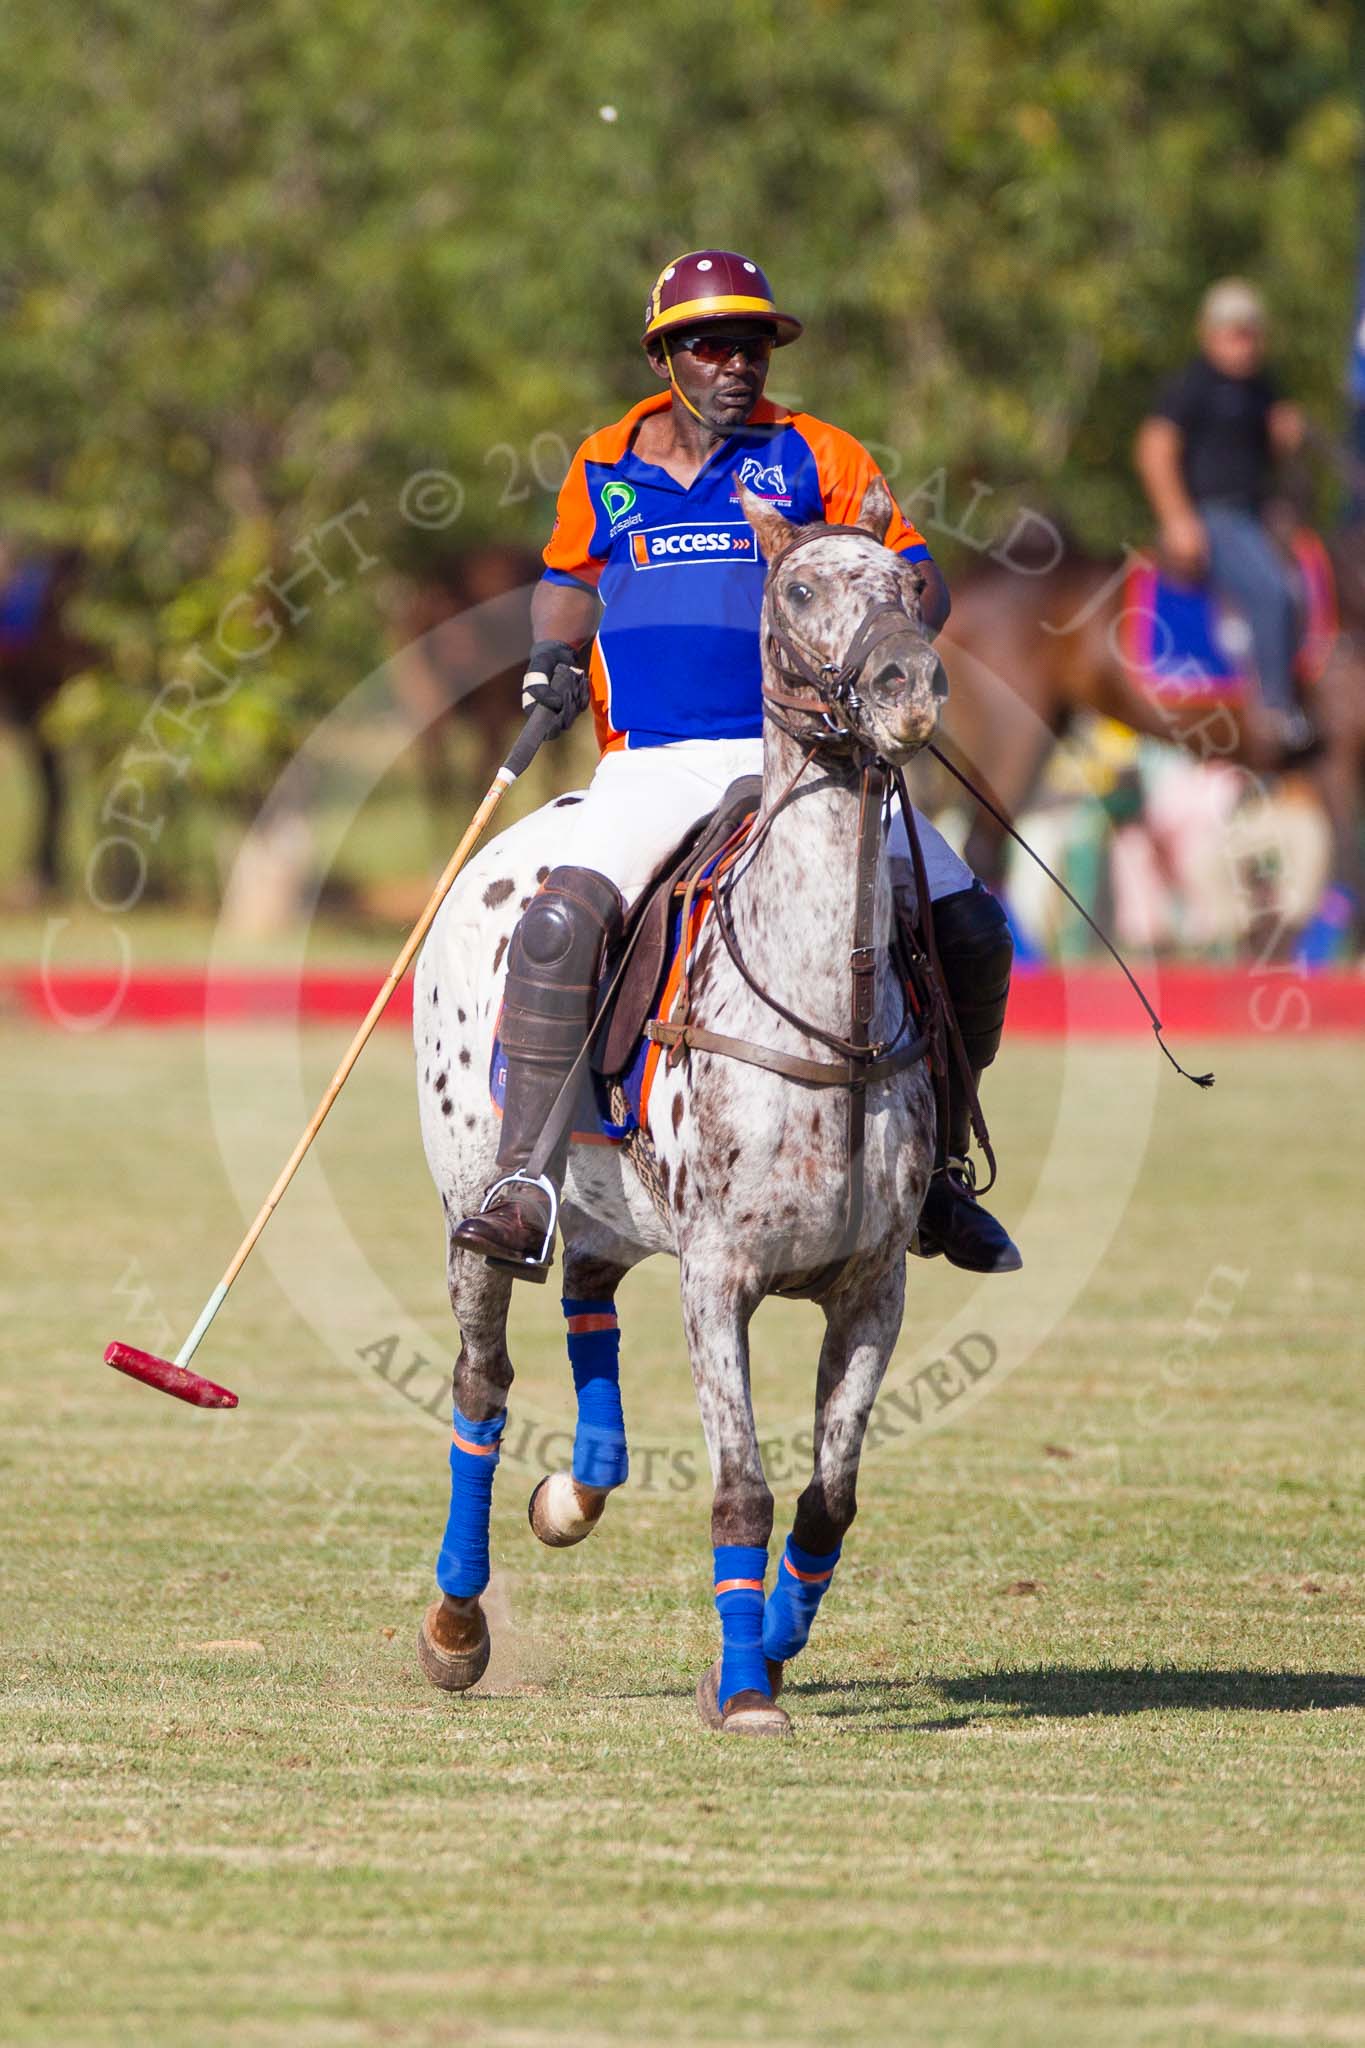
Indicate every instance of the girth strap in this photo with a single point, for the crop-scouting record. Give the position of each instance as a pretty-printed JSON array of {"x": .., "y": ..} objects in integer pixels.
[{"x": 815, "y": 1073}]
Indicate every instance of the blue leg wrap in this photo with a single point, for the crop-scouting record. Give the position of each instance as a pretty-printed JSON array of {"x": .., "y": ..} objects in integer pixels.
[
  {"x": 740, "y": 1568},
  {"x": 801, "y": 1584},
  {"x": 599, "y": 1444},
  {"x": 462, "y": 1568}
]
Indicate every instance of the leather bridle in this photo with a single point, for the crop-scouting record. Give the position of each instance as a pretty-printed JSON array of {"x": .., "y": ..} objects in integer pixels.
[
  {"x": 838, "y": 706},
  {"x": 829, "y": 725}
]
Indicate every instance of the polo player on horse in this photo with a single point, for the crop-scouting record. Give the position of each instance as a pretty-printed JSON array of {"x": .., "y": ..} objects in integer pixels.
[
  {"x": 1205, "y": 456},
  {"x": 650, "y": 554}
]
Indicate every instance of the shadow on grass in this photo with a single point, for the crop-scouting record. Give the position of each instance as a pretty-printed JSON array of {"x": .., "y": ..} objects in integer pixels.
[{"x": 1060, "y": 1691}]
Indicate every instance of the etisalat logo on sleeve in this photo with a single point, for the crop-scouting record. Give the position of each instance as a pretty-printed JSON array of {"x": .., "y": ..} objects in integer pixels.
[{"x": 618, "y": 501}]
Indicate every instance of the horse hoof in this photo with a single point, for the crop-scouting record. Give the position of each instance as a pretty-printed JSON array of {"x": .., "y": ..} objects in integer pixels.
[
  {"x": 562, "y": 1512},
  {"x": 775, "y": 1675},
  {"x": 460, "y": 1660},
  {"x": 746, "y": 1713}
]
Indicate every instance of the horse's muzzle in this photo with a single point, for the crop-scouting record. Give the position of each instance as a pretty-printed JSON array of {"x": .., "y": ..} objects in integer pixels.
[{"x": 904, "y": 695}]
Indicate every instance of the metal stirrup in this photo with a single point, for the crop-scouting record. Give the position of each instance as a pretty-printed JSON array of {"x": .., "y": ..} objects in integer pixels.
[{"x": 547, "y": 1187}]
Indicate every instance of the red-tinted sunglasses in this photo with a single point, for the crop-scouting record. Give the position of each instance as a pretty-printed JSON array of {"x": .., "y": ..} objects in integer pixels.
[{"x": 718, "y": 348}]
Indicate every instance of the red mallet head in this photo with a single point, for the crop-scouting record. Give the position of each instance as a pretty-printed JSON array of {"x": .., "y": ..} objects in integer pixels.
[{"x": 171, "y": 1379}]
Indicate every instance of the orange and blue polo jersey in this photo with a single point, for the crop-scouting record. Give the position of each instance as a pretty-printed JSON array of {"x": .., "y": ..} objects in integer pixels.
[{"x": 679, "y": 572}]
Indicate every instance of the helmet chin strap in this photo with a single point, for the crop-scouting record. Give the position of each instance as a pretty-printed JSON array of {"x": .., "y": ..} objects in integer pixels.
[{"x": 677, "y": 387}]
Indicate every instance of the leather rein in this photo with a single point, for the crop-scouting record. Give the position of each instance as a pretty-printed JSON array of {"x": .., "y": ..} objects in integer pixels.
[{"x": 810, "y": 688}]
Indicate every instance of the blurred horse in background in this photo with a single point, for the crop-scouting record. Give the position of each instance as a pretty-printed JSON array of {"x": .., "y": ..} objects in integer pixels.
[
  {"x": 1033, "y": 642},
  {"x": 38, "y": 653}
]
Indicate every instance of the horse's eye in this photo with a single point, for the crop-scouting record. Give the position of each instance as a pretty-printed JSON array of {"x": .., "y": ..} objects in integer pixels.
[{"x": 800, "y": 593}]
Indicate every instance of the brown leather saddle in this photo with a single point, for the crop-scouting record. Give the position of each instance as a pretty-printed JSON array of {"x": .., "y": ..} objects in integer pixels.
[{"x": 645, "y": 939}]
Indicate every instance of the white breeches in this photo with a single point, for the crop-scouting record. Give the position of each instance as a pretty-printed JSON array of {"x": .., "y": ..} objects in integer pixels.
[{"x": 640, "y": 803}]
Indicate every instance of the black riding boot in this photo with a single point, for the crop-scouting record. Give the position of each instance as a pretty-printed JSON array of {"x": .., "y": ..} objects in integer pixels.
[
  {"x": 976, "y": 953},
  {"x": 553, "y": 965}
]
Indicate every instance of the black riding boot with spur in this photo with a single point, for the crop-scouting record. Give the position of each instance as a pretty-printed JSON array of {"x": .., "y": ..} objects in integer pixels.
[
  {"x": 553, "y": 966},
  {"x": 976, "y": 952}
]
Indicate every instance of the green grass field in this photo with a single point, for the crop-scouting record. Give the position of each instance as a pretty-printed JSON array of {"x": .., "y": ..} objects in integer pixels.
[{"x": 1079, "y": 1737}]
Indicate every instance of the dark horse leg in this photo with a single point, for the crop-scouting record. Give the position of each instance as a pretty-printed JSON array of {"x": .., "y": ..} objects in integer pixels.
[
  {"x": 51, "y": 813},
  {"x": 1339, "y": 775}
]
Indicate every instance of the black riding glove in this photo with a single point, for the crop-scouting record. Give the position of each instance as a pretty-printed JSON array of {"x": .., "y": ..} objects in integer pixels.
[{"x": 555, "y": 680}]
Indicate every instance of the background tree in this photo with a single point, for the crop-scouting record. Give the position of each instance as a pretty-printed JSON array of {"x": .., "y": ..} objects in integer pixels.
[{"x": 261, "y": 261}]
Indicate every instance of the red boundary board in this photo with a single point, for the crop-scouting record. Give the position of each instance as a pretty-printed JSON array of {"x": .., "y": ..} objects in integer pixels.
[{"x": 1044, "y": 1002}]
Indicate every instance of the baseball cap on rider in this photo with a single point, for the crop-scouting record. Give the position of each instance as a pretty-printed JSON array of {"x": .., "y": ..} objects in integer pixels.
[
  {"x": 713, "y": 284},
  {"x": 1231, "y": 302}
]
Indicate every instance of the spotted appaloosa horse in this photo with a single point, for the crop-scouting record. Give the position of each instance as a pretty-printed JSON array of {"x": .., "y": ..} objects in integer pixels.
[{"x": 740, "y": 1173}]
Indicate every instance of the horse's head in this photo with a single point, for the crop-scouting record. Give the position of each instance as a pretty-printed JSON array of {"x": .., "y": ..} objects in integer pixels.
[{"x": 847, "y": 662}]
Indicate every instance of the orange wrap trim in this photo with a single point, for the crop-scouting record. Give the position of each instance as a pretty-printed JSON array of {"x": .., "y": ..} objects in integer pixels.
[
  {"x": 807, "y": 1578},
  {"x": 475, "y": 1450}
]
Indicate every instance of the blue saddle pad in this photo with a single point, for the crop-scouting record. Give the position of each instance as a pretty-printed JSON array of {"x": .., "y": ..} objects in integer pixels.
[
  {"x": 21, "y": 603},
  {"x": 1172, "y": 633}
]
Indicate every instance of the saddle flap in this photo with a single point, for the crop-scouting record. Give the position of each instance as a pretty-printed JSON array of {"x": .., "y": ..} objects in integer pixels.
[{"x": 649, "y": 922}]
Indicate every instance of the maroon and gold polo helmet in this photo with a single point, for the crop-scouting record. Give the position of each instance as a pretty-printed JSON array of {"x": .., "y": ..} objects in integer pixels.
[{"x": 713, "y": 284}]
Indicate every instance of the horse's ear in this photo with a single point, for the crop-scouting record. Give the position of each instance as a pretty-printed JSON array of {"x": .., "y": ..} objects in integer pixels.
[
  {"x": 877, "y": 510},
  {"x": 772, "y": 529}
]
